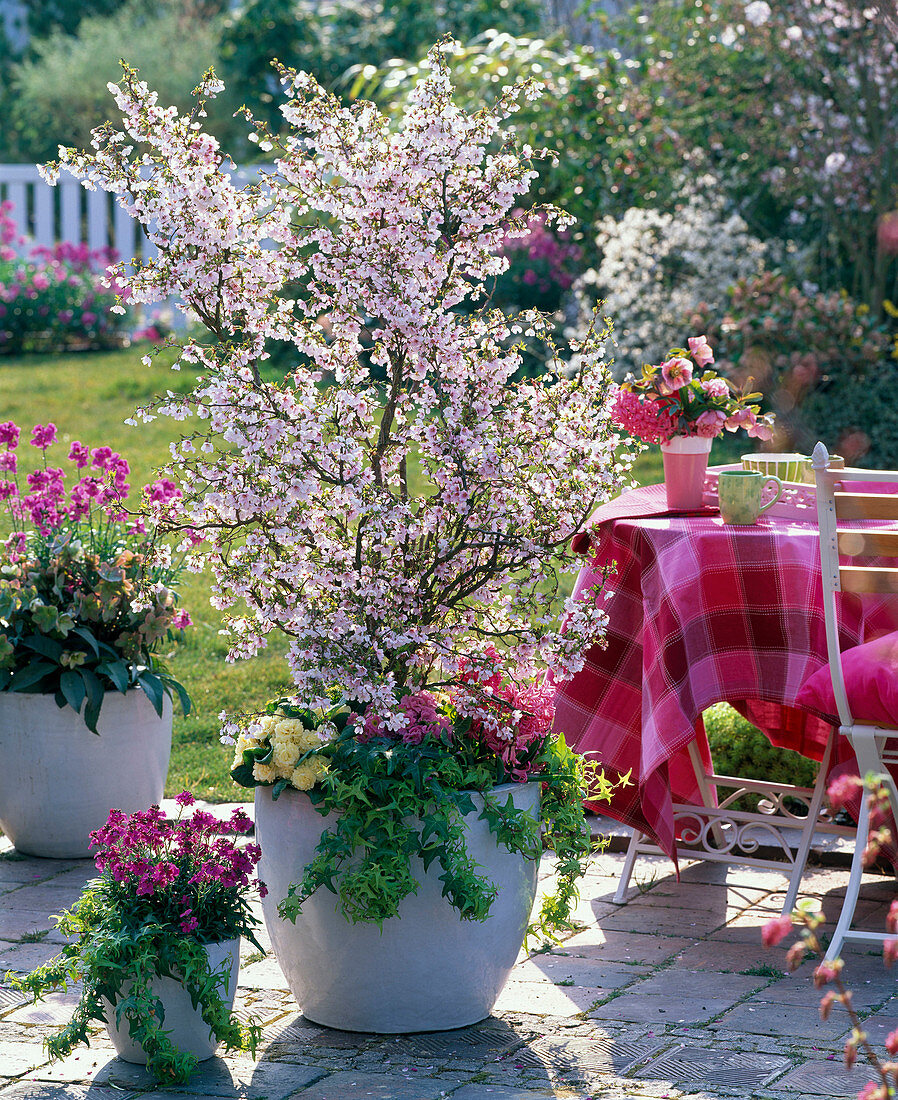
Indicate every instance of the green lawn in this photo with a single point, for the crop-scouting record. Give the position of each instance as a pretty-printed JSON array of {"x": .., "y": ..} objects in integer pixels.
[{"x": 88, "y": 397}]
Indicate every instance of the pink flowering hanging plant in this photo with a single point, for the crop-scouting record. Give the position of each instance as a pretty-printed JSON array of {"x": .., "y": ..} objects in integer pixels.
[
  {"x": 681, "y": 396},
  {"x": 165, "y": 889},
  {"x": 397, "y": 506},
  {"x": 83, "y": 609}
]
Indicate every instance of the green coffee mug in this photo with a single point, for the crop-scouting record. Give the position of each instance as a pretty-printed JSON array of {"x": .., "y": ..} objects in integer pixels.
[{"x": 739, "y": 495}]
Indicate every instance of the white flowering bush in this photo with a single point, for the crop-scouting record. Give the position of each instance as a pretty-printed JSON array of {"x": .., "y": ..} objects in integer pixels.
[
  {"x": 658, "y": 266},
  {"x": 394, "y": 506}
]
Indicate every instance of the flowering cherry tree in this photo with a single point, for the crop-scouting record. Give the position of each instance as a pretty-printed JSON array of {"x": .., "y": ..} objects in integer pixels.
[{"x": 396, "y": 505}]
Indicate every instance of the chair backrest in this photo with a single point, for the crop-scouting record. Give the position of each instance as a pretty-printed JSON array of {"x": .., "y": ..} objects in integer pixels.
[{"x": 868, "y": 543}]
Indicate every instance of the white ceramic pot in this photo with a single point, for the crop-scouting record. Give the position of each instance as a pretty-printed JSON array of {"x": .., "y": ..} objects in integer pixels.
[
  {"x": 58, "y": 781},
  {"x": 187, "y": 1029},
  {"x": 428, "y": 970}
]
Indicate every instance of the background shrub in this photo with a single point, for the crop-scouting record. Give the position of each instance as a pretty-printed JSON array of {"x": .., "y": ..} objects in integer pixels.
[{"x": 827, "y": 366}]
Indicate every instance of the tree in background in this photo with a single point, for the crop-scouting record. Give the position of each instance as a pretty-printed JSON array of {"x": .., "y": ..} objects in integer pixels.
[{"x": 58, "y": 94}]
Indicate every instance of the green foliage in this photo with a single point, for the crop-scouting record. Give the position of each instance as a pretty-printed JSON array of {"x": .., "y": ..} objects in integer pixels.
[
  {"x": 330, "y": 39},
  {"x": 59, "y": 94},
  {"x": 117, "y": 961},
  {"x": 398, "y": 804},
  {"x": 738, "y": 748}
]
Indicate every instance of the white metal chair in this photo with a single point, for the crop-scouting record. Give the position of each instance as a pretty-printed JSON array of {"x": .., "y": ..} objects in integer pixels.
[{"x": 869, "y": 542}]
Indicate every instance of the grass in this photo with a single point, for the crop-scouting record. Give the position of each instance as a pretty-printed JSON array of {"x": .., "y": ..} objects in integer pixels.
[{"x": 89, "y": 396}]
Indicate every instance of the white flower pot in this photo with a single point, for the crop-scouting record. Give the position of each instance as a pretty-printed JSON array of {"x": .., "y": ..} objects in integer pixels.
[
  {"x": 428, "y": 970},
  {"x": 187, "y": 1029},
  {"x": 58, "y": 781}
]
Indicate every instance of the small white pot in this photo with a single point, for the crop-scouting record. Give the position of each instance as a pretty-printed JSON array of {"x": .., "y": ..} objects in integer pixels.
[
  {"x": 428, "y": 970},
  {"x": 187, "y": 1029},
  {"x": 58, "y": 781}
]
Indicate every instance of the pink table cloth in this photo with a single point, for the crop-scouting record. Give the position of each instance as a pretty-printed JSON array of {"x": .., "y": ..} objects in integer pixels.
[{"x": 699, "y": 612}]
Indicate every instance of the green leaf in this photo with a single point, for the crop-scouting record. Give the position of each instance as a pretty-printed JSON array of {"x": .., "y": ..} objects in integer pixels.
[
  {"x": 94, "y": 697},
  {"x": 88, "y": 637},
  {"x": 278, "y": 789},
  {"x": 72, "y": 687},
  {"x": 153, "y": 689},
  {"x": 31, "y": 674},
  {"x": 183, "y": 698},
  {"x": 40, "y": 643},
  {"x": 117, "y": 671}
]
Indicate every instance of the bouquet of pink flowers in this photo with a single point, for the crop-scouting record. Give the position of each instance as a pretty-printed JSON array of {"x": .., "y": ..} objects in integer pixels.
[{"x": 675, "y": 399}]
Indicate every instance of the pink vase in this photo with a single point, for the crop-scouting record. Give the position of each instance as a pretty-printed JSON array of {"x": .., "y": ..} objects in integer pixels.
[{"x": 685, "y": 462}]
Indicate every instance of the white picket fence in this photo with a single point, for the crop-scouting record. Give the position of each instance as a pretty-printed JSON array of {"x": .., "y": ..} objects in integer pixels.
[
  {"x": 45, "y": 215},
  {"x": 68, "y": 212}
]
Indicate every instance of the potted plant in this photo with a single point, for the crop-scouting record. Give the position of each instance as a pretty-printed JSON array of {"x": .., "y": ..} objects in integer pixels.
[
  {"x": 396, "y": 506},
  {"x": 155, "y": 941},
  {"x": 85, "y": 707},
  {"x": 684, "y": 411}
]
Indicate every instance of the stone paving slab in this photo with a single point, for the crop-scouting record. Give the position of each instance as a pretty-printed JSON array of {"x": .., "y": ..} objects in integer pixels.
[{"x": 670, "y": 996}]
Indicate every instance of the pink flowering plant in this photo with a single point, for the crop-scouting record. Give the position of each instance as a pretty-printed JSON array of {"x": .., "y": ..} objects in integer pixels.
[
  {"x": 57, "y": 297},
  {"x": 683, "y": 397},
  {"x": 165, "y": 889},
  {"x": 397, "y": 506},
  {"x": 83, "y": 608},
  {"x": 541, "y": 266}
]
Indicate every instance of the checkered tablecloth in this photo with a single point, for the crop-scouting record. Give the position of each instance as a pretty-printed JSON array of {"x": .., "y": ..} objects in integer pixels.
[{"x": 699, "y": 612}]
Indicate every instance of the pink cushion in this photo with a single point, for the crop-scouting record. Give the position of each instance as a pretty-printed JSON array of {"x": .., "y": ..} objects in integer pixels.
[{"x": 871, "y": 683}]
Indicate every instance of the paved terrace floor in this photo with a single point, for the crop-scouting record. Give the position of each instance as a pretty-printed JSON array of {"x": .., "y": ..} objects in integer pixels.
[{"x": 671, "y": 995}]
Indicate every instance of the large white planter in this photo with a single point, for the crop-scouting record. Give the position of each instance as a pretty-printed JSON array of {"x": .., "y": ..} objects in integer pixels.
[
  {"x": 428, "y": 970},
  {"x": 58, "y": 781},
  {"x": 189, "y": 1032}
]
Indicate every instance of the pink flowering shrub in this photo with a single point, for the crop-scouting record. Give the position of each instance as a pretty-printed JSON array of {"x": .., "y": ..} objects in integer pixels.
[
  {"x": 56, "y": 298},
  {"x": 388, "y": 588},
  {"x": 83, "y": 610},
  {"x": 165, "y": 888},
  {"x": 671, "y": 399},
  {"x": 542, "y": 265}
]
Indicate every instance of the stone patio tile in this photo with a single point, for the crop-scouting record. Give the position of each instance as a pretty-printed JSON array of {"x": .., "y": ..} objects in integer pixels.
[
  {"x": 86, "y": 1065},
  {"x": 262, "y": 975},
  {"x": 37, "y": 1090},
  {"x": 28, "y": 871},
  {"x": 557, "y": 969},
  {"x": 619, "y": 946},
  {"x": 688, "y": 922},
  {"x": 726, "y": 957},
  {"x": 45, "y": 897},
  {"x": 249, "y": 1080},
  {"x": 18, "y": 1058},
  {"x": 347, "y": 1085},
  {"x": 506, "y": 1092},
  {"x": 791, "y": 990},
  {"x": 549, "y": 1000},
  {"x": 825, "y": 1078},
  {"x": 878, "y": 1026},
  {"x": 25, "y": 957},
  {"x": 55, "y": 1009},
  {"x": 16, "y": 923},
  {"x": 662, "y": 1011},
  {"x": 675, "y": 983},
  {"x": 734, "y": 1069},
  {"x": 789, "y": 1021},
  {"x": 76, "y": 877}
]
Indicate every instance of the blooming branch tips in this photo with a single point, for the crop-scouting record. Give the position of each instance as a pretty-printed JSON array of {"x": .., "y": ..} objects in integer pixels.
[{"x": 400, "y": 504}]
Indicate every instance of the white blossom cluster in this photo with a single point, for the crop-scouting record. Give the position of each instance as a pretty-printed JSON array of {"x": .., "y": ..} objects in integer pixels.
[
  {"x": 658, "y": 266},
  {"x": 303, "y": 490}
]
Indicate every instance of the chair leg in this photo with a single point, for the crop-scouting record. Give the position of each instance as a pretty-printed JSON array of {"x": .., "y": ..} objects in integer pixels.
[
  {"x": 620, "y": 894},
  {"x": 854, "y": 884},
  {"x": 807, "y": 832}
]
